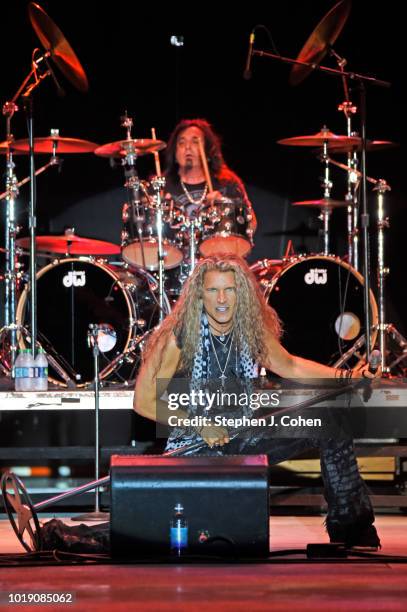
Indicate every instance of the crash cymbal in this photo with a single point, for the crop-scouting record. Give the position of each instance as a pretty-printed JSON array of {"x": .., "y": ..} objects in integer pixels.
[
  {"x": 323, "y": 203},
  {"x": 318, "y": 140},
  {"x": 371, "y": 145},
  {"x": 45, "y": 144},
  {"x": 121, "y": 148},
  {"x": 72, "y": 244},
  {"x": 60, "y": 50},
  {"x": 318, "y": 43}
]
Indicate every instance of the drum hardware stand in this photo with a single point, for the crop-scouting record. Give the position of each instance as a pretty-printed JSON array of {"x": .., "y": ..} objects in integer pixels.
[
  {"x": 349, "y": 109},
  {"x": 49, "y": 351},
  {"x": 115, "y": 364},
  {"x": 96, "y": 515},
  {"x": 39, "y": 71},
  {"x": 133, "y": 185},
  {"x": 385, "y": 329},
  {"x": 158, "y": 184},
  {"x": 327, "y": 187},
  {"x": 192, "y": 224},
  {"x": 10, "y": 274},
  {"x": 362, "y": 80},
  {"x": 132, "y": 182}
]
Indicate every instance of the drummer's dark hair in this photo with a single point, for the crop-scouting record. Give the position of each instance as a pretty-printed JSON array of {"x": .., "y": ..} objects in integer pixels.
[{"x": 217, "y": 166}]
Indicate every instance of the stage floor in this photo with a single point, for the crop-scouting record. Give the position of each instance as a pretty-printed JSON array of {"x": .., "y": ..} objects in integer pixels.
[{"x": 275, "y": 586}]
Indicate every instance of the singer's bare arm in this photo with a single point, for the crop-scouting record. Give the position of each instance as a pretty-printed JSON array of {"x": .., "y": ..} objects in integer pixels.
[{"x": 284, "y": 364}]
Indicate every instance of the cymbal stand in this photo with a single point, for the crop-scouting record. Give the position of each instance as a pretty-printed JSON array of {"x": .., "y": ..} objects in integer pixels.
[
  {"x": 349, "y": 109},
  {"x": 327, "y": 187},
  {"x": 10, "y": 274},
  {"x": 132, "y": 183},
  {"x": 194, "y": 224},
  {"x": 362, "y": 80},
  {"x": 385, "y": 329},
  {"x": 158, "y": 184},
  {"x": 39, "y": 71},
  {"x": 54, "y": 161}
]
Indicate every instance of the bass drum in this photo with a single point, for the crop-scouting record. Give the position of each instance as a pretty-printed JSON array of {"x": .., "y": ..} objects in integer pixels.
[
  {"x": 72, "y": 293},
  {"x": 320, "y": 302}
]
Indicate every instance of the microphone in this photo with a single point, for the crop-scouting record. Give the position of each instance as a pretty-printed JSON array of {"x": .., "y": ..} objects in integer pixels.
[
  {"x": 375, "y": 360},
  {"x": 247, "y": 74}
]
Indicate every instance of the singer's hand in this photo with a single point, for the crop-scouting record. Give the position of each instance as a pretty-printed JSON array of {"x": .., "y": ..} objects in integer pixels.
[
  {"x": 214, "y": 435},
  {"x": 364, "y": 371}
]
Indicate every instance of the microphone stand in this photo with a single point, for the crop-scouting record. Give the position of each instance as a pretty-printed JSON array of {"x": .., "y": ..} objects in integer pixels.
[
  {"x": 96, "y": 515},
  {"x": 345, "y": 388},
  {"x": 362, "y": 80}
]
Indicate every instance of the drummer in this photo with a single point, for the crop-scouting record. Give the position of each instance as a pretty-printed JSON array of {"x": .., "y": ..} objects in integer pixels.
[{"x": 192, "y": 186}]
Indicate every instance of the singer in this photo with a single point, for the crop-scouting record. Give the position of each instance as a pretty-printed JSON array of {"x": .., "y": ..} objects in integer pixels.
[{"x": 221, "y": 329}]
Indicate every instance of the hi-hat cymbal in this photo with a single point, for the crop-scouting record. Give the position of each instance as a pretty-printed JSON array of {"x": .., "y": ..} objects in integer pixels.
[
  {"x": 45, "y": 144},
  {"x": 323, "y": 203},
  {"x": 318, "y": 43},
  {"x": 139, "y": 146},
  {"x": 72, "y": 244},
  {"x": 318, "y": 140},
  {"x": 60, "y": 50}
]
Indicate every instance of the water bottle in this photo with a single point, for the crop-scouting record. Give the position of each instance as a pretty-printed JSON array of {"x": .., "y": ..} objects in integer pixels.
[
  {"x": 24, "y": 371},
  {"x": 178, "y": 531},
  {"x": 41, "y": 371}
]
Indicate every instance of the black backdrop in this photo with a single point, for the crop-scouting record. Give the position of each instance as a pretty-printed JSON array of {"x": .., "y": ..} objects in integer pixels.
[{"x": 125, "y": 49}]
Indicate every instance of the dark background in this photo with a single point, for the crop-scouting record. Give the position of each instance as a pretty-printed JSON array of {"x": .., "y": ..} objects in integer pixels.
[{"x": 125, "y": 50}]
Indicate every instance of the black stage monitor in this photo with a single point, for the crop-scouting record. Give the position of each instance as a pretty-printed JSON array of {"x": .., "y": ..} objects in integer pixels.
[{"x": 216, "y": 505}]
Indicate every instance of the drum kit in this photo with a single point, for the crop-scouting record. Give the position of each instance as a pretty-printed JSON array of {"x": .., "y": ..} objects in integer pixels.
[{"x": 160, "y": 245}]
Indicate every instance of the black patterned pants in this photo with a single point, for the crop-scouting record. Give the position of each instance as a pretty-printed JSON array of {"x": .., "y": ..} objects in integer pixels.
[{"x": 345, "y": 491}]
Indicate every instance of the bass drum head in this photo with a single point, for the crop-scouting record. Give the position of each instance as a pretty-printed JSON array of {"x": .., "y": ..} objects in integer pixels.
[
  {"x": 319, "y": 300},
  {"x": 75, "y": 292}
]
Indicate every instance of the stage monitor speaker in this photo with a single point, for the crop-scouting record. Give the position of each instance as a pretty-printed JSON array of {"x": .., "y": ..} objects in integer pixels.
[{"x": 225, "y": 499}]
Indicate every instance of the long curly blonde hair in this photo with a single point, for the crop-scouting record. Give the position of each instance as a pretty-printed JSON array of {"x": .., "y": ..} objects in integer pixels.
[{"x": 253, "y": 316}]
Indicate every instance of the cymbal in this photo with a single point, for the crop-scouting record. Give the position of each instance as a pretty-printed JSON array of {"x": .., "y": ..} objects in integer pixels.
[
  {"x": 4, "y": 148},
  {"x": 140, "y": 146},
  {"x": 60, "y": 50},
  {"x": 371, "y": 145},
  {"x": 44, "y": 144},
  {"x": 318, "y": 139},
  {"x": 323, "y": 203},
  {"x": 72, "y": 244},
  {"x": 318, "y": 43}
]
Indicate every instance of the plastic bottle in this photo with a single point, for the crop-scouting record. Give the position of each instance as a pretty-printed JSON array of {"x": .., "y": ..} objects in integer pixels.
[
  {"x": 178, "y": 531},
  {"x": 24, "y": 371},
  {"x": 41, "y": 372}
]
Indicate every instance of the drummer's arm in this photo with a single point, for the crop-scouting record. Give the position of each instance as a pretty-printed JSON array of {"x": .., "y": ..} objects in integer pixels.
[
  {"x": 153, "y": 379},
  {"x": 286, "y": 365},
  {"x": 250, "y": 214}
]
